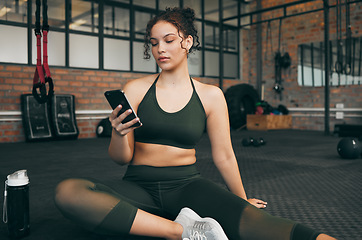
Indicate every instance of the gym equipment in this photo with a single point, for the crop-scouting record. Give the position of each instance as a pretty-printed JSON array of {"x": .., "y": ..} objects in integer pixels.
[
  {"x": 49, "y": 120},
  {"x": 246, "y": 142},
  {"x": 348, "y": 130},
  {"x": 104, "y": 128},
  {"x": 282, "y": 61},
  {"x": 241, "y": 100},
  {"x": 266, "y": 107},
  {"x": 283, "y": 109},
  {"x": 349, "y": 148},
  {"x": 42, "y": 73},
  {"x": 35, "y": 117},
  {"x": 63, "y": 117}
]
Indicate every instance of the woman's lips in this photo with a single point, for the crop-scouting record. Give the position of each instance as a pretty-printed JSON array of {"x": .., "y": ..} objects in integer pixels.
[{"x": 163, "y": 59}]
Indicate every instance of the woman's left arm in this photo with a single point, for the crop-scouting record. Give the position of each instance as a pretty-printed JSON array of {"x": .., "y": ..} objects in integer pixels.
[{"x": 222, "y": 151}]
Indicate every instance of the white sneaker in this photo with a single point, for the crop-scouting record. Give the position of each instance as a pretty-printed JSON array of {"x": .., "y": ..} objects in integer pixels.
[{"x": 197, "y": 228}]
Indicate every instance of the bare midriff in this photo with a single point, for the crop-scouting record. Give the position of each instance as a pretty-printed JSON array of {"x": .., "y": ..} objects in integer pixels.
[{"x": 158, "y": 155}]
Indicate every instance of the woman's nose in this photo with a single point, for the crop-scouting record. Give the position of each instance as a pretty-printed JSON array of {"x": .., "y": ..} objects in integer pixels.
[{"x": 161, "y": 47}]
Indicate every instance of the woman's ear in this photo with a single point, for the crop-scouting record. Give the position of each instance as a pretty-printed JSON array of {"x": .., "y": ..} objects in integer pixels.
[{"x": 189, "y": 42}]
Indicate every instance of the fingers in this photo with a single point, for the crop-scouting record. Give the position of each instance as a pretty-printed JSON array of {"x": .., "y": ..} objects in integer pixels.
[
  {"x": 114, "y": 113},
  {"x": 258, "y": 203},
  {"x": 116, "y": 121}
]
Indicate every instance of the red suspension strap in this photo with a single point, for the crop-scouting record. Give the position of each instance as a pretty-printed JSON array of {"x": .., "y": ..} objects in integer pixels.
[{"x": 42, "y": 72}]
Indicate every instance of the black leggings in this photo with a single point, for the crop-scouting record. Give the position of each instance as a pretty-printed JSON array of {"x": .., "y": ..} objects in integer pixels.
[{"x": 164, "y": 191}]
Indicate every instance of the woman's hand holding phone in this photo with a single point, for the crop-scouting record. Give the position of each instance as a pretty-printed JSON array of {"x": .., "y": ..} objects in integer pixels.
[
  {"x": 122, "y": 128},
  {"x": 123, "y": 118}
]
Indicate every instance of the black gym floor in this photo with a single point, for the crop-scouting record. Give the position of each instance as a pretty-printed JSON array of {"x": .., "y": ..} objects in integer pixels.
[{"x": 298, "y": 173}]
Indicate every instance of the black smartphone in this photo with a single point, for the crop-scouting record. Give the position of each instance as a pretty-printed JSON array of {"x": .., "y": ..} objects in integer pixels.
[{"x": 117, "y": 97}]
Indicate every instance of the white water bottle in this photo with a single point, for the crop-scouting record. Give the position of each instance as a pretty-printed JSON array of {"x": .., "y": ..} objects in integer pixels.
[{"x": 16, "y": 204}]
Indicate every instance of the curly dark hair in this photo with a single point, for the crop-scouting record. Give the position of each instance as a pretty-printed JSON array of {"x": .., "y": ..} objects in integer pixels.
[{"x": 182, "y": 18}]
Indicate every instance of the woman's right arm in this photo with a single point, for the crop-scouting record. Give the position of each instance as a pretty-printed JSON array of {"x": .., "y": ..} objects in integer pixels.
[
  {"x": 122, "y": 142},
  {"x": 121, "y": 147}
]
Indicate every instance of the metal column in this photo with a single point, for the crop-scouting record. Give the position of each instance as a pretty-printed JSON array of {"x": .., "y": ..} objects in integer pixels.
[
  {"x": 221, "y": 45},
  {"x": 326, "y": 66}
]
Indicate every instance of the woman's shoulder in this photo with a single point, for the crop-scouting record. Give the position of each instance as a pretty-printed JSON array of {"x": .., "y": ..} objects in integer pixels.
[
  {"x": 208, "y": 91},
  {"x": 139, "y": 84},
  {"x": 211, "y": 97},
  {"x": 142, "y": 82},
  {"x": 137, "y": 88}
]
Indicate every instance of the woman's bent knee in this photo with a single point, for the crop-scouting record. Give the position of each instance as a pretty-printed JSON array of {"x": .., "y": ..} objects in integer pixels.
[{"x": 67, "y": 192}]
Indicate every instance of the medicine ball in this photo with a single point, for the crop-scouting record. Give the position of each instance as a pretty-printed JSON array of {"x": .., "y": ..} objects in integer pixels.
[
  {"x": 349, "y": 148},
  {"x": 104, "y": 128}
]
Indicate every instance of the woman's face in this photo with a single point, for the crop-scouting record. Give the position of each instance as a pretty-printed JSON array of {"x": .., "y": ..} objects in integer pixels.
[{"x": 166, "y": 45}]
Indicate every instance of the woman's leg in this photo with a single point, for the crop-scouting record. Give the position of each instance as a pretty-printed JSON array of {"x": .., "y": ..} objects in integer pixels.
[
  {"x": 239, "y": 219},
  {"x": 146, "y": 224},
  {"x": 100, "y": 209}
]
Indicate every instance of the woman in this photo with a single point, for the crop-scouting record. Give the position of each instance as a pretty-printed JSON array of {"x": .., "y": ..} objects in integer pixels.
[{"x": 161, "y": 179}]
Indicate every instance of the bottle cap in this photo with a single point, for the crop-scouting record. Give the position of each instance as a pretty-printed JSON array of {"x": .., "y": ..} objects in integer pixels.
[{"x": 18, "y": 178}]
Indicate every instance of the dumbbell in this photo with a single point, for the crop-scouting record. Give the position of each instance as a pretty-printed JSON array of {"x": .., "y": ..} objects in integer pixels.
[{"x": 246, "y": 142}]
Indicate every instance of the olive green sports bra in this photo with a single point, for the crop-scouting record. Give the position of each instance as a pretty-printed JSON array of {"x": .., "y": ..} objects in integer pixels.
[{"x": 181, "y": 129}]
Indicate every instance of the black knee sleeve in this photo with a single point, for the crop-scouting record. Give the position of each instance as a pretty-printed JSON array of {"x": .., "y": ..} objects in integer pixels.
[
  {"x": 301, "y": 232},
  {"x": 118, "y": 221}
]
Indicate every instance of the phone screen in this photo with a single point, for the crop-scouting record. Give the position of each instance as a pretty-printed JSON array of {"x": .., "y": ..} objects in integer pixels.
[{"x": 117, "y": 97}]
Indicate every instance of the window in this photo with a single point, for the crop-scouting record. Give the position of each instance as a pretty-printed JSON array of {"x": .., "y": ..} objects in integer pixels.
[
  {"x": 56, "y": 13},
  {"x": 14, "y": 11},
  {"x": 140, "y": 64},
  {"x": 83, "y": 51},
  {"x": 211, "y": 36},
  {"x": 141, "y": 20},
  {"x": 145, "y": 3},
  {"x": 116, "y": 54},
  {"x": 211, "y": 64},
  {"x": 211, "y": 9},
  {"x": 76, "y": 38},
  {"x": 230, "y": 40},
  {"x": 84, "y": 16},
  {"x": 311, "y": 65},
  {"x": 195, "y": 63},
  {"x": 13, "y": 44},
  {"x": 116, "y": 21}
]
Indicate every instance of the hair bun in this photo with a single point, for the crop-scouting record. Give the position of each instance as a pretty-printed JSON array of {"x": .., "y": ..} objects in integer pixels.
[{"x": 189, "y": 14}]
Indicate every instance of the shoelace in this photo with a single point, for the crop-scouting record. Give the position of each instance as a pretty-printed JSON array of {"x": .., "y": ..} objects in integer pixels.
[
  {"x": 197, "y": 236},
  {"x": 197, "y": 231},
  {"x": 200, "y": 225}
]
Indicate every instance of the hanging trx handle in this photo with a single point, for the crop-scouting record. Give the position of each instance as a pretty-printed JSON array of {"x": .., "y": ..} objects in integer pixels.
[{"x": 42, "y": 72}]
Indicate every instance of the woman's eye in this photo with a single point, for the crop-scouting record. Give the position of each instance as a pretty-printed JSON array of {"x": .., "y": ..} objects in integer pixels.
[
  {"x": 169, "y": 41},
  {"x": 153, "y": 44}
]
